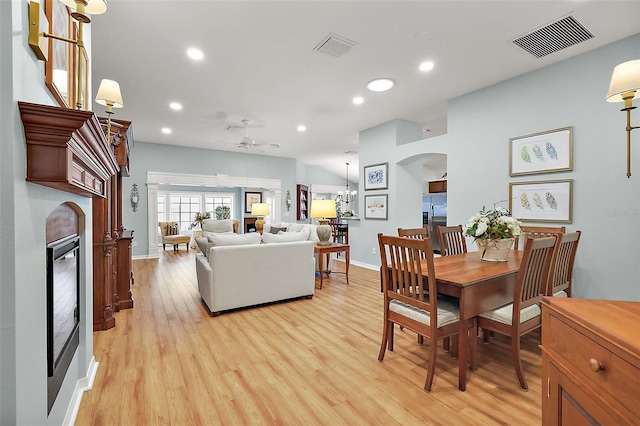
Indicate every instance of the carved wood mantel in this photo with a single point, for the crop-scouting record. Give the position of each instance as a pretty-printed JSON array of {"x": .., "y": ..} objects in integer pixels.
[{"x": 67, "y": 149}]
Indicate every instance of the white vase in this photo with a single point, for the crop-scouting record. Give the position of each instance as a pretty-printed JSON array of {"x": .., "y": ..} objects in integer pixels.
[{"x": 495, "y": 250}]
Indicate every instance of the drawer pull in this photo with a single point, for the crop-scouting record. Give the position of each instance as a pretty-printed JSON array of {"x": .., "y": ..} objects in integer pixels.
[{"x": 595, "y": 366}]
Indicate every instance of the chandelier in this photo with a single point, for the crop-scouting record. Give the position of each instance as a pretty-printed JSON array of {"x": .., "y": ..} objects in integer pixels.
[{"x": 346, "y": 196}]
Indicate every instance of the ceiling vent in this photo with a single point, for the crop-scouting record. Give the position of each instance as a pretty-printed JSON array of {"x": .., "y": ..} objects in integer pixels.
[
  {"x": 335, "y": 45},
  {"x": 554, "y": 37}
]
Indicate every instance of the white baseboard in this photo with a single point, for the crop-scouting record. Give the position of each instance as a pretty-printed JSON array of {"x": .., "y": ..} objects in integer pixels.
[{"x": 82, "y": 385}]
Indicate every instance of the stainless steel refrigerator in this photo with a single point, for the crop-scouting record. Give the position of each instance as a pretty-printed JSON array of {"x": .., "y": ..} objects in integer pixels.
[{"x": 434, "y": 213}]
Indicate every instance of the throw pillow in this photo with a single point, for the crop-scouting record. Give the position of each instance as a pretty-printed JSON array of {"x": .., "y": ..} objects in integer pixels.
[
  {"x": 219, "y": 240},
  {"x": 211, "y": 225},
  {"x": 285, "y": 237},
  {"x": 276, "y": 229},
  {"x": 295, "y": 227},
  {"x": 172, "y": 229}
]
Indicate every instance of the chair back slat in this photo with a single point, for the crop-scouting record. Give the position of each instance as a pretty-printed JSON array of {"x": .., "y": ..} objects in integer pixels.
[
  {"x": 538, "y": 232},
  {"x": 533, "y": 275},
  {"x": 452, "y": 240},
  {"x": 561, "y": 274},
  {"x": 416, "y": 233}
]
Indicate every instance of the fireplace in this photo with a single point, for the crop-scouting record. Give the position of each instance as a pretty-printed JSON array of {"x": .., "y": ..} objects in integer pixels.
[{"x": 63, "y": 313}]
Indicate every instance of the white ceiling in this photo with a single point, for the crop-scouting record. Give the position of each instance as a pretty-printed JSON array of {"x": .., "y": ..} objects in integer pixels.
[{"x": 259, "y": 64}]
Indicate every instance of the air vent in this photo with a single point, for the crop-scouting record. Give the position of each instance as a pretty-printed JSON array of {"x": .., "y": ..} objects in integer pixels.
[
  {"x": 335, "y": 45},
  {"x": 554, "y": 37}
]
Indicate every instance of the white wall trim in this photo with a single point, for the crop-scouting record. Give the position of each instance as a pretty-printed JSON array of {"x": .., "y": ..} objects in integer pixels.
[{"x": 82, "y": 385}]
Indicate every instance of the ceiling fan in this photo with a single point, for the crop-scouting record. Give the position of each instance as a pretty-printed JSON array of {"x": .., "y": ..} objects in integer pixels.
[{"x": 249, "y": 143}]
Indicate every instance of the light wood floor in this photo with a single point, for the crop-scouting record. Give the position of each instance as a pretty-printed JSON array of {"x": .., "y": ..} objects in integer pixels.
[{"x": 308, "y": 361}]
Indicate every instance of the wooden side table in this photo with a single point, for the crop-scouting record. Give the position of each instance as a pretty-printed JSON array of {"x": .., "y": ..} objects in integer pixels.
[{"x": 326, "y": 250}]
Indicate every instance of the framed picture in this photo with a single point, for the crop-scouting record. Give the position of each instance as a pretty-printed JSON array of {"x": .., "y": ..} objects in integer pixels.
[
  {"x": 375, "y": 206},
  {"x": 250, "y": 198},
  {"x": 544, "y": 152},
  {"x": 543, "y": 201},
  {"x": 84, "y": 91},
  {"x": 60, "y": 72},
  {"x": 375, "y": 176}
]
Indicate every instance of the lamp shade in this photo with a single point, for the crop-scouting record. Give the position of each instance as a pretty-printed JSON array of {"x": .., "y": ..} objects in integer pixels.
[
  {"x": 109, "y": 93},
  {"x": 625, "y": 78},
  {"x": 323, "y": 209},
  {"x": 93, "y": 7},
  {"x": 259, "y": 209}
]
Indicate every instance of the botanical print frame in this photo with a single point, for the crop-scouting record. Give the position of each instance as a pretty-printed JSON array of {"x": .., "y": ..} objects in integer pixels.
[
  {"x": 375, "y": 206},
  {"x": 60, "y": 72},
  {"x": 250, "y": 198},
  {"x": 542, "y": 201},
  {"x": 375, "y": 176},
  {"x": 544, "y": 152}
]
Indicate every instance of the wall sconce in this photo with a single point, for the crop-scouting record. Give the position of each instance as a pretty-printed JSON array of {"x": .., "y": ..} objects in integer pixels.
[
  {"x": 109, "y": 95},
  {"x": 38, "y": 26},
  {"x": 135, "y": 197},
  {"x": 624, "y": 87},
  {"x": 287, "y": 200}
]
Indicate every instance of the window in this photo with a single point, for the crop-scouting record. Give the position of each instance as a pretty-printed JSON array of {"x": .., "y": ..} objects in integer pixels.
[{"x": 183, "y": 206}]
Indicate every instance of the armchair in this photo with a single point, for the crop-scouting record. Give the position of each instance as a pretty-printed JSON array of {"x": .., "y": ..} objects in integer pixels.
[{"x": 174, "y": 239}]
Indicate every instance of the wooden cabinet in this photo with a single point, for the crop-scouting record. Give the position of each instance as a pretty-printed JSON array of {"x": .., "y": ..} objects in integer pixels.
[
  {"x": 590, "y": 362},
  {"x": 303, "y": 202},
  {"x": 437, "y": 186}
]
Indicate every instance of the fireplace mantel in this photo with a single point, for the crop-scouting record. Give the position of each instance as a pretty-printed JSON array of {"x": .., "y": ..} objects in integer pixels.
[{"x": 67, "y": 150}]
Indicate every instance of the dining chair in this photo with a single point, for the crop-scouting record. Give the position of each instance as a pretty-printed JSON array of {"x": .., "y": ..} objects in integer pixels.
[
  {"x": 561, "y": 270},
  {"x": 452, "y": 240},
  {"x": 538, "y": 232},
  {"x": 409, "y": 304},
  {"x": 523, "y": 315}
]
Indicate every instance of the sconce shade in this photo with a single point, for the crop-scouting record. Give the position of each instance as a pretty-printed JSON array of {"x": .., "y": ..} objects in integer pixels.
[
  {"x": 259, "y": 209},
  {"x": 109, "y": 93},
  {"x": 625, "y": 79},
  {"x": 93, "y": 7},
  {"x": 323, "y": 209}
]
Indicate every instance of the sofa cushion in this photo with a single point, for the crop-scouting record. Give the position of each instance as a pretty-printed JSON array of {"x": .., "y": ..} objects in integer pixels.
[
  {"x": 211, "y": 225},
  {"x": 276, "y": 229},
  {"x": 284, "y": 237},
  {"x": 231, "y": 239},
  {"x": 204, "y": 245},
  {"x": 295, "y": 227}
]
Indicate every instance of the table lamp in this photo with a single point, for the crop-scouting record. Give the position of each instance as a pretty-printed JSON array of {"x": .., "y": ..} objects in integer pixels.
[
  {"x": 323, "y": 210},
  {"x": 260, "y": 210}
]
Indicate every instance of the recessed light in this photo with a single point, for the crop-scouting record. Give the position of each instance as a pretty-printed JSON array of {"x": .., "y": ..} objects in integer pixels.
[
  {"x": 195, "y": 54},
  {"x": 358, "y": 100},
  {"x": 175, "y": 106},
  {"x": 166, "y": 130},
  {"x": 302, "y": 128},
  {"x": 380, "y": 84},
  {"x": 426, "y": 66}
]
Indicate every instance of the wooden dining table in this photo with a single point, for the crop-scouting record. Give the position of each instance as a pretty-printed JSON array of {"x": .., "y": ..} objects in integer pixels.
[{"x": 479, "y": 285}]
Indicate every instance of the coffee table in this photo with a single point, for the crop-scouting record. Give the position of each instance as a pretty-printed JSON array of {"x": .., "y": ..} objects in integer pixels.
[{"x": 325, "y": 250}]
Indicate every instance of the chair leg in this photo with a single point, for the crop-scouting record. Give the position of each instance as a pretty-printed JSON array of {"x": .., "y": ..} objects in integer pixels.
[
  {"x": 473, "y": 346},
  {"x": 517, "y": 362},
  {"x": 446, "y": 342},
  {"x": 485, "y": 336},
  {"x": 175, "y": 247},
  {"x": 187, "y": 246},
  {"x": 164, "y": 246},
  {"x": 385, "y": 338},
  {"x": 433, "y": 352}
]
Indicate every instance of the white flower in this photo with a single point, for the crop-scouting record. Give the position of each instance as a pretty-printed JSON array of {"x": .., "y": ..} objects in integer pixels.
[{"x": 482, "y": 228}]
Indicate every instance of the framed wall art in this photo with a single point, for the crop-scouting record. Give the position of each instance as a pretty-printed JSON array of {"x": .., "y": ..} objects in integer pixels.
[
  {"x": 376, "y": 176},
  {"x": 376, "y": 206},
  {"x": 544, "y": 152},
  {"x": 60, "y": 74},
  {"x": 250, "y": 198},
  {"x": 542, "y": 201}
]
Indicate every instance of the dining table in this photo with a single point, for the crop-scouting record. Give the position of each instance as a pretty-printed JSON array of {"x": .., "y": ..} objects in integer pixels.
[{"x": 479, "y": 286}]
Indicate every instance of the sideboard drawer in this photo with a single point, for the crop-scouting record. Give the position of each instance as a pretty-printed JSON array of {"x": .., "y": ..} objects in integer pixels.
[{"x": 589, "y": 360}]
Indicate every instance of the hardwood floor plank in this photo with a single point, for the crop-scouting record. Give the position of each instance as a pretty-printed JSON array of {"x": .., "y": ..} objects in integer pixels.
[{"x": 305, "y": 361}]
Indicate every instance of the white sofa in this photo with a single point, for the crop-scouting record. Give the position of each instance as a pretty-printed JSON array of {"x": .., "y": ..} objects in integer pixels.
[{"x": 237, "y": 276}]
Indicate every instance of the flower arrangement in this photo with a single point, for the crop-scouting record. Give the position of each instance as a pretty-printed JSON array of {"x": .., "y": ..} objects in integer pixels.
[
  {"x": 493, "y": 224},
  {"x": 199, "y": 217}
]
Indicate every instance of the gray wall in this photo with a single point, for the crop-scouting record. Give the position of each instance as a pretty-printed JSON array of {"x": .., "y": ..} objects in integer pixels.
[
  {"x": 23, "y": 212},
  {"x": 151, "y": 157},
  {"x": 606, "y": 205}
]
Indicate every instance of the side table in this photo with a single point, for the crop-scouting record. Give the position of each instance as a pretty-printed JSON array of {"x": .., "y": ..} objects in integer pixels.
[{"x": 326, "y": 250}]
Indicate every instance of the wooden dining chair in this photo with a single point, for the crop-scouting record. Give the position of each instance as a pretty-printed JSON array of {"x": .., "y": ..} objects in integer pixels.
[
  {"x": 523, "y": 315},
  {"x": 561, "y": 272},
  {"x": 452, "y": 240},
  {"x": 538, "y": 232},
  {"x": 409, "y": 298}
]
